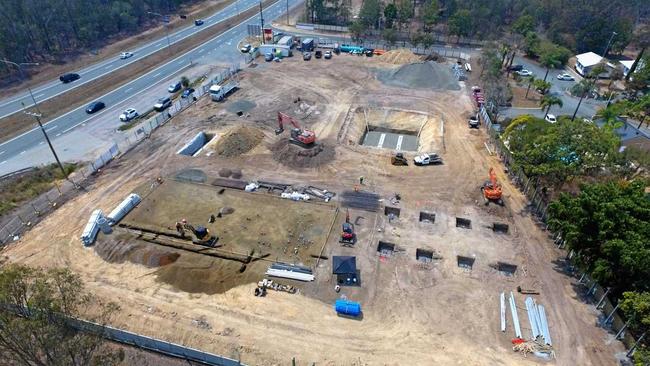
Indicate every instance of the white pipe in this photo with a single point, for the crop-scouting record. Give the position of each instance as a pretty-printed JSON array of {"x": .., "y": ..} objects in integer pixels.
[
  {"x": 515, "y": 317},
  {"x": 503, "y": 312}
]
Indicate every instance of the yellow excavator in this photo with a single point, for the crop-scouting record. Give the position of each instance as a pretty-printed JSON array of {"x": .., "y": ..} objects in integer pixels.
[{"x": 201, "y": 233}]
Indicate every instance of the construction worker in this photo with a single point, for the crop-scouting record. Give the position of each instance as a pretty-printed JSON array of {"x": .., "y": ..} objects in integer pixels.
[{"x": 361, "y": 180}]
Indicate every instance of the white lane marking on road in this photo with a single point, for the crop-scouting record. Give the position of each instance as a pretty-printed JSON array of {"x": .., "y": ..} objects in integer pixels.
[
  {"x": 181, "y": 62},
  {"x": 41, "y": 143},
  {"x": 2, "y": 152},
  {"x": 381, "y": 140},
  {"x": 128, "y": 90},
  {"x": 40, "y": 95},
  {"x": 22, "y": 152},
  {"x": 3, "y": 162},
  {"x": 201, "y": 50},
  {"x": 159, "y": 44},
  {"x": 58, "y": 134},
  {"x": 399, "y": 142},
  {"x": 158, "y": 74},
  {"x": 51, "y": 128}
]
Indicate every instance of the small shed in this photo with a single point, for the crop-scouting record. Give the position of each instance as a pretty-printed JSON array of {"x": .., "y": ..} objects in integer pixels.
[{"x": 345, "y": 270}]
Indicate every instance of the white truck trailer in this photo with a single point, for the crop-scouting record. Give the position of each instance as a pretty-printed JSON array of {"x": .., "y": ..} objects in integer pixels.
[{"x": 219, "y": 92}]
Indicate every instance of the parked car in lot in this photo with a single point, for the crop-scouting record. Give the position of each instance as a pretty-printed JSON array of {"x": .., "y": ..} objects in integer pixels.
[
  {"x": 198, "y": 22},
  {"x": 125, "y": 55},
  {"x": 128, "y": 114},
  {"x": 245, "y": 48},
  {"x": 327, "y": 55},
  {"x": 162, "y": 104},
  {"x": 69, "y": 77},
  {"x": 306, "y": 56},
  {"x": 515, "y": 67},
  {"x": 550, "y": 118},
  {"x": 173, "y": 88},
  {"x": 187, "y": 92},
  {"x": 95, "y": 106},
  {"x": 566, "y": 77},
  {"x": 318, "y": 54},
  {"x": 268, "y": 57},
  {"x": 524, "y": 72}
]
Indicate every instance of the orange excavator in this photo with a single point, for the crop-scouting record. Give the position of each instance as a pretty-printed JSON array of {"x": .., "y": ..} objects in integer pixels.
[
  {"x": 300, "y": 137},
  {"x": 492, "y": 190}
]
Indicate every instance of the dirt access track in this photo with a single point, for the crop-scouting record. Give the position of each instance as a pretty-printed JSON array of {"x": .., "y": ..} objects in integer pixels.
[
  {"x": 431, "y": 267},
  {"x": 20, "y": 122}
]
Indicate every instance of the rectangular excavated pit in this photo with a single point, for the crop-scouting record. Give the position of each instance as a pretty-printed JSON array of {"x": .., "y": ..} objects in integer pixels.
[
  {"x": 392, "y": 210},
  {"x": 194, "y": 146},
  {"x": 506, "y": 269},
  {"x": 427, "y": 217},
  {"x": 385, "y": 248},
  {"x": 500, "y": 228},
  {"x": 464, "y": 223},
  {"x": 388, "y": 138},
  {"x": 465, "y": 262},
  {"x": 424, "y": 255}
]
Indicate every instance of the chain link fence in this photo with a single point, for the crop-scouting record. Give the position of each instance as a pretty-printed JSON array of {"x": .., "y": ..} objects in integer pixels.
[
  {"x": 595, "y": 294},
  {"x": 33, "y": 212}
]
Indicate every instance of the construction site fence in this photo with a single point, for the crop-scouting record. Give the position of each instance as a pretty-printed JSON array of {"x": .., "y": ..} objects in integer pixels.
[
  {"x": 595, "y": 294},
  {"x": 28, "y": 215}
]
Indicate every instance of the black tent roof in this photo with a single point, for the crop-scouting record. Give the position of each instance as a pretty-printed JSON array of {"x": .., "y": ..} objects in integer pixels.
[{"x": 344, "y": 265}]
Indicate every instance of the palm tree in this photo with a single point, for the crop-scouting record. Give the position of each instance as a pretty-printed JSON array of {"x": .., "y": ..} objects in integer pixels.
[
  {"x": 588, "y": 84},
  {"x": 548, "y": 101},
  {"x": 609, "y": 115},
  {"x": 531, "y": 80}
]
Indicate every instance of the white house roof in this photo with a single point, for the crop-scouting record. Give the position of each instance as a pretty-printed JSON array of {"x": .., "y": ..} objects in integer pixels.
[
  {"x": 627, "y": 63},
  {"x": 589, "y": 59}
]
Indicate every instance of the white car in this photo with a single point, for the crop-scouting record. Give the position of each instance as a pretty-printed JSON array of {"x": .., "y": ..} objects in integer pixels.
[
  {"x": 524, "y": 72},
  {"x": 125, "y": 55},
  {"x": 246, "y": 48},
  {"x": 565, "y": 77},
  {"x": 550, "y": 118},
  {"x": 128, "y": 114}
]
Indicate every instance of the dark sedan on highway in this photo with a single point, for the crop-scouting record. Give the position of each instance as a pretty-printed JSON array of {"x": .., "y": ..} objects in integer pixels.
[{"x": 95, "y": 106}]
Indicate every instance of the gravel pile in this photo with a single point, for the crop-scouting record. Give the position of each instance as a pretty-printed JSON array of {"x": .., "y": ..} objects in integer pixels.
[{"x": 421, "y": 75}]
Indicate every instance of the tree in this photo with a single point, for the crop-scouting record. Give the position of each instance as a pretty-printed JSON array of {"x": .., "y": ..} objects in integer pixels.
[
  {"x": 430, "y": 13},
  {"x": 606, "y": 225},
  {"x": 531, "y": 80},
  {"x": 34, "y": 326},
  {"x": 185, "y": 82},
  {"x": 588, "y": 83},
  {"x": 404, "y": 12},
  {"x": 416, "y": 38},
  {"x": 542, "y": 86},
  {"x": 643, "y": 40},
  {"x": 460, "y": 24},
  {"x": 552, "y": 56},
  {"x": 523, "y": 25},
  {"x": 610, "y": 115},
  {"x": 639, "y": 81},
  {"x": 427, "y": 41},
  {"x": 390, "y": 36},
  {"x": 390, "y": 14},
  {"x": 531, "y": 44},
  {"x": 548, "y": 101},
  {"x": 357, "y": 30},
  {"x": 369, "y": 13}
]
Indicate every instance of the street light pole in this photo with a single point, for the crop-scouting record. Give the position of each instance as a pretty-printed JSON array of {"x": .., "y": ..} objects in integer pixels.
[
  {"x": 287, "y": 12},
  {"x": 38, "y": 113},
  {"x": 262, "y": 22},
  {"x": 169, "y": 45},
  {"x": 609, "y": 43}
]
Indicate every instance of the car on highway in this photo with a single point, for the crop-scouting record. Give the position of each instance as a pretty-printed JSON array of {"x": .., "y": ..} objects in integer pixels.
[
  {"x": 95, "y": 106},
  {"x": 515, "y": 67},
  {"x": 246, "y": 48},
  {"x": 327, "y": 55},
  {"x": 187, "y": 92},
  {"x": 550, "y": 118},
  {"x": 173, "y": 88},
  {"x": 125, "y": 55},
  {"x": 198, "y": 22},
  {"x": 268, "y": 57},
  {"x": 524, "y": 72},
  {"x": 69, "y": 77},
  {"x": 128, "y": 114},
  {"x": 162, "y": 104},
  {"x": 306, "y": 56},
  {"x": 566, "y": 77}
]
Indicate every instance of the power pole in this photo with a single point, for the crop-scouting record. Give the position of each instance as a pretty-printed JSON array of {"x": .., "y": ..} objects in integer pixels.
[
  {"x": 262, "y": 21},
  {"x": 38, "y": 116}
]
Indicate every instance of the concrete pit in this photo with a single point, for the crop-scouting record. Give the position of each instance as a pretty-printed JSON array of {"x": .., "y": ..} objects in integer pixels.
[
  {"x": 385, "y": 248},
  {"x": 427, "y": 217},
  {"x": 465, "y": 262},
  {"x": 463, "y": 223},
  {"x": 506, "y": 269},
  {"x": 395, "y": 211},
  {"x": 424, "y": 255},
  {"x": 500, "y": 228}
]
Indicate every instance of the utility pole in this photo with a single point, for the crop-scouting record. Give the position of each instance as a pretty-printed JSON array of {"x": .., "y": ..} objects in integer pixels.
[
  {"x": 38, "y": 113},
  {"x": 261, "y": 21},
  {"x": 287, "y": 12},
  {"x": 609, "y": 43}
]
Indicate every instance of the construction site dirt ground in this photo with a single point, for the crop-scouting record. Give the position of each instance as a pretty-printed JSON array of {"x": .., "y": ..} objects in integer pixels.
[{"x": 414, "y": 312}]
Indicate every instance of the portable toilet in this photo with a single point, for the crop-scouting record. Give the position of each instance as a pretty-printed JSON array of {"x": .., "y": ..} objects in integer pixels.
[{"x": 347, "y": 308}]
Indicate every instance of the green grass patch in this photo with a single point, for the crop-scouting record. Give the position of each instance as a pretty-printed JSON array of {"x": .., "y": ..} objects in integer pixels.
[{"x": 19, "y": 189}]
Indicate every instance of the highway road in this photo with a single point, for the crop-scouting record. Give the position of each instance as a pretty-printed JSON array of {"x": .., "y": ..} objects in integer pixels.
[
  {"x": 41, "y": 93},
  {"x": 28, "y": 149}
]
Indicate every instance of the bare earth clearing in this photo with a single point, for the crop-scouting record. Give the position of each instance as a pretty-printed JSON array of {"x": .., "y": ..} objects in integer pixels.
[{"x": 414, "y": 313}]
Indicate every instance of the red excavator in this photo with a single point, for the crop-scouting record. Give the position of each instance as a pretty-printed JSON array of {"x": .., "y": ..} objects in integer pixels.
[
  {"x": 300, "y": 137},
  {"x": 347, "y": 234},
  {"x": 492, "y": 190}
]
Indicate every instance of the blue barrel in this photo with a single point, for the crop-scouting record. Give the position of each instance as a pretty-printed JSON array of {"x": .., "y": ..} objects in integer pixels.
[{"x": 346, "y": 307}]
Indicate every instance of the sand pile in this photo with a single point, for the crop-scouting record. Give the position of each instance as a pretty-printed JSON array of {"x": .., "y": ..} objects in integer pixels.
[
  {"x": 421, "y": 75},
  {"x": 399, "y": 56},
  {"x": 237, "y": 141},
  {"x": 298, "y": 157}
]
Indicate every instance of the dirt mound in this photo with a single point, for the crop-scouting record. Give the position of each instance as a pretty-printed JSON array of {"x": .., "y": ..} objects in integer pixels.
[
  {"x": 298, "y": 157},
  {"x": 192, "y": 175},
  {"x": 225, "y": 172},
  {"x": 236, "y": 174},
  {"x": 422, "y": 75},
  {"x": 122, "y": 250},
  {"x": 239, "y": 140},
  {"x": 399, "y": 56}
]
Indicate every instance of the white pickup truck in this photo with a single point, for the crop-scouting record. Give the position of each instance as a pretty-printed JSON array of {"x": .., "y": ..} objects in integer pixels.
[
  {"x": 219, "y": 92},
  {"x": 427, "y": 159}
]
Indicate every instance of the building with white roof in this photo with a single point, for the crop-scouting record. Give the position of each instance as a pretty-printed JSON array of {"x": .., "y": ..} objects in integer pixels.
[{"x": 586, "y": 61}]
